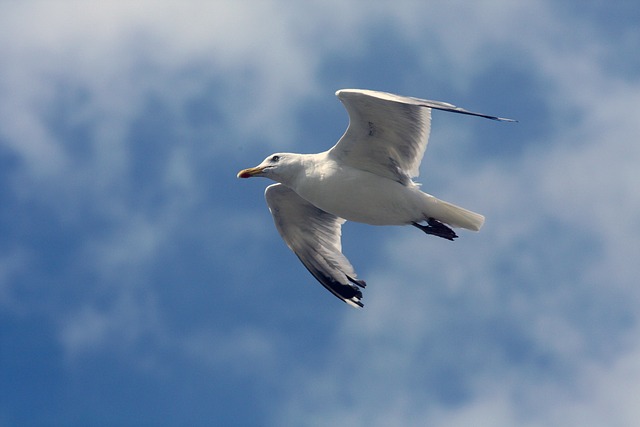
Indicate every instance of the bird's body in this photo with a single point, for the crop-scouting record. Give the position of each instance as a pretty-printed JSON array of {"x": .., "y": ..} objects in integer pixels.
[
  {"x": 362, "y": 196},
  {"x": 366, "y": 198},
  {"x": 358, "y": 195},
  {"x": 365, "y": 177}
]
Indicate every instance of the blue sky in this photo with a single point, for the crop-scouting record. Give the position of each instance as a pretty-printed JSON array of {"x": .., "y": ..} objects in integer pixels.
[{"x": 141, "y": 283}]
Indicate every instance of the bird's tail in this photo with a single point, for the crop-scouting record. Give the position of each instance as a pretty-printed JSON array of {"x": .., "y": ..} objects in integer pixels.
[{"x": 453, "y": 215}]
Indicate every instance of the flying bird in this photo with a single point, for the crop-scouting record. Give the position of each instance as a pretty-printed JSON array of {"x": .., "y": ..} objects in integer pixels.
[{"x": 366, "y": 177}]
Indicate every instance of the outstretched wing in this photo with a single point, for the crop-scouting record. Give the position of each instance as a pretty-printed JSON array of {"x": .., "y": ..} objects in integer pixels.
[
  {"x": 387, "y": 133},
  {"x": 314, "y": 236}
]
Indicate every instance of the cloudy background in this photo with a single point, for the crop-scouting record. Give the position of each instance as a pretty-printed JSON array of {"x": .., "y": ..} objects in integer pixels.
[{"x": 141, "y": 283}]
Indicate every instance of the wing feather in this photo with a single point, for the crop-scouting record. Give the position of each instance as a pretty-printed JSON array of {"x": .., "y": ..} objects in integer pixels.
[
  {"x": 314, "y": 236},
  {"x": 387, "y": 133},
  {"x": 386, "y": 136}
]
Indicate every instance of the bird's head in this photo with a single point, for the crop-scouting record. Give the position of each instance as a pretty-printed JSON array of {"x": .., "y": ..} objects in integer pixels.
[{"x": 278, "y": 167}]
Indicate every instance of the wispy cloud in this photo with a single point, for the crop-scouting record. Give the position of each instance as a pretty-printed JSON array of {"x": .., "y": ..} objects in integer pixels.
[
  {"x": 120, "y": 126},
  {"x": 535, "y": 305}
]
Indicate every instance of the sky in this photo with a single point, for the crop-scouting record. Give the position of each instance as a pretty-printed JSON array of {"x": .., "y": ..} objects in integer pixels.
[{"x": 142, "y": 283}]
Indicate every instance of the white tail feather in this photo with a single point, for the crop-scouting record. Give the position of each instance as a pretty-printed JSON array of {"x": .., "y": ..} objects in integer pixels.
[{"x": 455, "y": 216}]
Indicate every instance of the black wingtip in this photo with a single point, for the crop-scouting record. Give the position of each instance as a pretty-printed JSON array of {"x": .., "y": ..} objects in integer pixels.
[
  {"x": 454, "y": 109},
  {"x": 502, "y": 119},
  {"x": 349, "y": 293},
  {"x": 358, "y": 282}
]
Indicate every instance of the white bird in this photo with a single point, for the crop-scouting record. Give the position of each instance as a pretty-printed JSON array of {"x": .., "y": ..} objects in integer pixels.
[{"x": 366, "y": 177}]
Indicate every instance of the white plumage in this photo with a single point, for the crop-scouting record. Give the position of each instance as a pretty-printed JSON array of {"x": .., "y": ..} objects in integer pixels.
[{"x": 366, "y": 177}]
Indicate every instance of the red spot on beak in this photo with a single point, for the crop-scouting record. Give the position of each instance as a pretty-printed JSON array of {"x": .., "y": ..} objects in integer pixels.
[{"x": 248, "y": 173}]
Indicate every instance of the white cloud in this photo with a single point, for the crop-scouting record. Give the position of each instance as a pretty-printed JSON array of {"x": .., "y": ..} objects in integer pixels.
[
  {"x": 561, "y": 226},
  {"x": 117, "y": 326},
  {"x": 451, "y": 334},
  {"x": 10, "y": 264},
  {"x": 114, "y": 56},
  {"x": 223, "y": 349},
  {"x": 93, "y": 69}
]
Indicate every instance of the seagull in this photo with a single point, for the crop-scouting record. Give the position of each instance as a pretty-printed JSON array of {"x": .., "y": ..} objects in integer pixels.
[{"x": 366, "y": 177}]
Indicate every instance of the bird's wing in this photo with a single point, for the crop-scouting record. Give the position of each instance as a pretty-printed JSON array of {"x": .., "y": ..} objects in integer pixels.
[
  {"x": 314, "y": 236},
  {"x": 387, "y": 133}
]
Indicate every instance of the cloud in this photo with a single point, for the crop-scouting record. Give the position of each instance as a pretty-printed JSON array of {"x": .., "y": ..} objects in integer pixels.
[
  {"x": 118, "y": 325},
  {"x": 123, "y": 123},
  {"x": 511, "y": 324}
]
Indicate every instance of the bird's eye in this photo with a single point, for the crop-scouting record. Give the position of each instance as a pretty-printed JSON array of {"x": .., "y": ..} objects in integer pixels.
[{"x": 275, "y": 159}]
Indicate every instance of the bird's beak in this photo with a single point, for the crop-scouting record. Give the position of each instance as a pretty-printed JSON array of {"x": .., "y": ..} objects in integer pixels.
[{"x": 248, "y": 173}]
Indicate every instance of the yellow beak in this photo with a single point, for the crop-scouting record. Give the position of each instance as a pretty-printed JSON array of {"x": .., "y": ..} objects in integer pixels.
[{"x": 248, "y": 173}]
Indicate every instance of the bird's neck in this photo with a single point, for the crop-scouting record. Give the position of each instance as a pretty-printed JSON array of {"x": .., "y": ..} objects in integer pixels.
[{"x": 300, "y": 170}]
